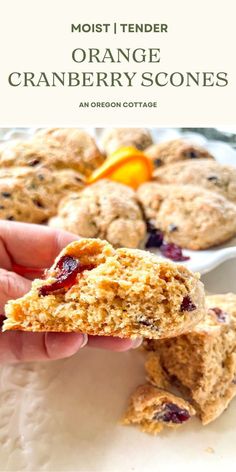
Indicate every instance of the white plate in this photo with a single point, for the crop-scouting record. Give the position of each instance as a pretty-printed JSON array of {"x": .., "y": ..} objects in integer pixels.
[
  {"x": 205, "y": 261},
  {"x": 62, "y": 417}
]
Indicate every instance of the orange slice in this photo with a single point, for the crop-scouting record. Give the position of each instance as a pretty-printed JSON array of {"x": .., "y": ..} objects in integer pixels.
[{"x": 127, "y": 165}]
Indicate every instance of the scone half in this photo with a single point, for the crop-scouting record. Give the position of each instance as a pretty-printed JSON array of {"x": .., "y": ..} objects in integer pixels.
[{"x": 95, "y": 289}]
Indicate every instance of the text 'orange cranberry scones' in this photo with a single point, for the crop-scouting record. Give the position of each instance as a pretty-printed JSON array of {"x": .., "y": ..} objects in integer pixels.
[{"x": 95, "y": 289}]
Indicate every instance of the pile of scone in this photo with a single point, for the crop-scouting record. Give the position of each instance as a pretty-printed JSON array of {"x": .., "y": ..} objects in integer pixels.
[
  {"x": 193, "y": 374},
  {"x": 191, "y": 198}
]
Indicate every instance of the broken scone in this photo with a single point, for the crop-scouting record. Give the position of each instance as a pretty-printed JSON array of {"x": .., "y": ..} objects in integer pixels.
[
  {"x": 95, "y": 289},
  {"x": 152, "y": 408},
  {"x": 202, "y": 362}
]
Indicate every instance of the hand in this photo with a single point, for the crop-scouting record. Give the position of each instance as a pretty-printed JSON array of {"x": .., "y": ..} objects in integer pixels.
[{"x": 36, "y": 247}]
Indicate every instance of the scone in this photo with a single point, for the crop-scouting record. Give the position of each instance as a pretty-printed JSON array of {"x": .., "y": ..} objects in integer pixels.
[
  {"x": 52, "y": 153},
  {"x": 106, "y": 210},
  {"x": 188, "y": 216},
  {"x": 93, "y": 288},
  {"x": 206, "y": 173},
  {"x": 202, "y": 362},
  {"x": 78, "y": 145},
  {"x": 156, "y": 374},
  {"x": 116, "y": 138},
  {"x": 32, "y": 195},
  {"x": 152, "y": 408},
  {"x": 176, "y": 150}
]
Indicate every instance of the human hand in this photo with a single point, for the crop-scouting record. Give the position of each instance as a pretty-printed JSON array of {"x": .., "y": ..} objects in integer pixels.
[{"x": 24, "y": 246}]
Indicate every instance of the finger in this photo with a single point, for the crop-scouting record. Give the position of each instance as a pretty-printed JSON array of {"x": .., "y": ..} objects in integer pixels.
[
  {"x": 114, "y": 344},
  {"x": 30, "y": 245},
  {"x": 12, "y": 286},
  {"x": 23, "y": 346}
]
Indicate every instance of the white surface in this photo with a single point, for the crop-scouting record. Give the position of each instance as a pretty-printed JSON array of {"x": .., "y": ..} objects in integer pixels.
[{"x": 62, "y": 416}]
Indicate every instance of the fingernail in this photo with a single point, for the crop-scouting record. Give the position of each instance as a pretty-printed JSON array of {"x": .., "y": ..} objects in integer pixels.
[
  {"x": 136, "y": 343},
  {"x": 85, "y": 340}
]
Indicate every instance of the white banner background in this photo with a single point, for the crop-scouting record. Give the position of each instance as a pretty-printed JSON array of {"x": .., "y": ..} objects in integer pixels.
[{"x": 36, "y": 36}]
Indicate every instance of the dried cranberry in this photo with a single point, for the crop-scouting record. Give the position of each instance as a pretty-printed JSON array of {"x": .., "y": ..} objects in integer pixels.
[
  {"x": 41, "y": 177},
  {"x": 150, "y": 226},
  {"x": 173, "y": 252},
  {"x": 67, "y": 264},
  {"x": 158, "y": 162},
  {"x": 212, "y": 178},
  {"x": 68, "y": 268},
  {"x": 220, "y": 314},
  {"x": 172, "y": 414},
  {"x": 187, "y": 304},
  {"x": 172, "y": 227},
  {"x": 155, "y": 238},
  {"x": 170, "y": 250},
  {"x": 145, "y": 322},
  {"x": 37, "y": 203},
  {"x": 34, "y": 163},
  {"x": 191, "y": 154}
]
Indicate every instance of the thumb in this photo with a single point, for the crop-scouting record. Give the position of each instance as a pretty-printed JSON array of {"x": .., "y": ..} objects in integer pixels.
[
  {"x": 11, "y": 286},
  {"x": 21, "y": 346}
]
